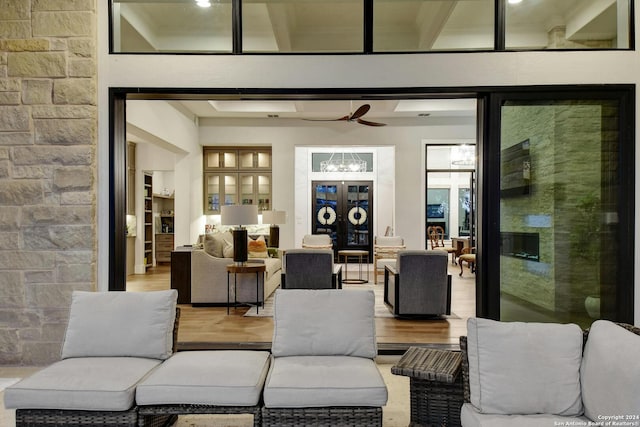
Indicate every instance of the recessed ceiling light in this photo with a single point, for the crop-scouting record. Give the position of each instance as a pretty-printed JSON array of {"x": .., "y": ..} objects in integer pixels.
[
  {"x": 514, "y": 1},
  {"x": 203, "y": 3}
]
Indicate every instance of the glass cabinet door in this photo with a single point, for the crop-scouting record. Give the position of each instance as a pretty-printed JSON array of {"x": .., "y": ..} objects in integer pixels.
[
  {"x": 247, "y": 192},
  {"x": 221, "y": 189},
  {"x": 222, "y": 159},
  {"x": 264, "y": 192}
]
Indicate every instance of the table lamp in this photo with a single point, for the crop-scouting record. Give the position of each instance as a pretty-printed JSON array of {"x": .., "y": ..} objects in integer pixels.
[
  {"x": 274, "y": 218},
  {"x": 239, "y": 215}
]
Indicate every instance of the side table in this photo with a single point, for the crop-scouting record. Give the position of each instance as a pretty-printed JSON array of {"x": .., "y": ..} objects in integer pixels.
[
  {"x": 354, "y": 253},
  {"x": 236, "y": 269},
  {"x": 435, "y": 385}
]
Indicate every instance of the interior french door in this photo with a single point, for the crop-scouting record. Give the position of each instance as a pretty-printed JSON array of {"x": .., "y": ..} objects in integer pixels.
[{"x": 343, "y": 210}]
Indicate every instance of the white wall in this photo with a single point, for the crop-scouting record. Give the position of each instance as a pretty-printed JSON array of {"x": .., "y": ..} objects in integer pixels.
[{"x": 353, "y": 71}]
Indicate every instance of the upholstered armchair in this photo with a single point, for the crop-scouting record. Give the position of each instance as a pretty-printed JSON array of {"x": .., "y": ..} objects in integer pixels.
[
  {"x": 385, "y": 250},
  {"x": 419, "y": 284},
  {"x": 317, "y": 241},
  {"x": 310, "y": 269}
]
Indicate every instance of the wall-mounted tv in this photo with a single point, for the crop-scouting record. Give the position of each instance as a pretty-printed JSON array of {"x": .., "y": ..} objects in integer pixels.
[
  {"x": 515, "y": 170},
  {"x": 435, "y": 211}
]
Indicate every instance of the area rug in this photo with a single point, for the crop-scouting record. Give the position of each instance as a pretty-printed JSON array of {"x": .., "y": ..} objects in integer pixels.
[{"x": 380, "y": 308}]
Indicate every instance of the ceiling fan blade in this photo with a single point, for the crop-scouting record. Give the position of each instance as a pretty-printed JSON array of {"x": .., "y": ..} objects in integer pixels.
[
  {"x": 368, "y": 123},
  {"x": 361, "y": 111}
]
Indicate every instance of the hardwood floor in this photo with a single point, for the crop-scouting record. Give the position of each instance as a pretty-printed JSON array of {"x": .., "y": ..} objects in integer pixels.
[{"x": 210, "y": 327}]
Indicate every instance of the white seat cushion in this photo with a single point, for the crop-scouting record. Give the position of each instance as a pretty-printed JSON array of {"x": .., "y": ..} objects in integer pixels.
[
  {"x": 524, "y": 368},
  {"x": 220, "y": 378},
  {"x": 87, "y": 383},
  {"x": 318, "y": 381},
  {"x": 302, "y": 326},
  {"x": 470, "y": 417},
  {"x": 134, "y": 324},
  {"x": 610, "y": 372}
]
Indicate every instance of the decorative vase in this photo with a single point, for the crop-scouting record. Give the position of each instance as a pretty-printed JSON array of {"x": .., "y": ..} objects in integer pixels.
[{"x": 592, "y": 305}]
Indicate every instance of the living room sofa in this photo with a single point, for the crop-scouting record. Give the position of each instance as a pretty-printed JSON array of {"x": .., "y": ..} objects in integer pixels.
[
  {"x": 209, "y": 273},
  {"x": 541, "y": 374}
]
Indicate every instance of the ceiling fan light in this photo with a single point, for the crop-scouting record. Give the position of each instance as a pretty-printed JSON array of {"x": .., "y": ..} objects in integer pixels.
[{"x": 203, "y": 3}]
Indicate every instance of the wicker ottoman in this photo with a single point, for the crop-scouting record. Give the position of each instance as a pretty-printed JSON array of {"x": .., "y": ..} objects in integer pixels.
[
  {"x": 435, "y": 385},
  {"x": 205, "y": 382}
]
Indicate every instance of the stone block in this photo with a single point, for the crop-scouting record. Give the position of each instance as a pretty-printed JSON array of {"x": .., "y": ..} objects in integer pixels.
[
  {"x": 51, "y": 5},
  {"x": 65, "y": 131},
  {"x": 19, "y": 193},
  {"x": 23, "y": 260},
  {"x": 14, "y": 119},
  {"x": 84, "y": 67},
  {"x": 37, "y": 64},
  {"x": 77, "y": 198},
  {"x": 9, "y": 346},
  {"x": 40, "y": 353},
  {"x": 70, "y": 237},
  {"x": 9, "y": 98},
  {"x": 39, "y": 276},
  {"x": 16, "y": 138},
  {"x": 25, "y": 45},
  {"x": 64, "y": 112},
  {"x": 58, "y": 44},
  {"x": 13, "y": 10},
  {"x": 4, "y": 71},
  {"x": 73, "y": 178},
  {"x": 63, "y": 24},
  {"x": 37, "y": 92},
  {"x": 83, "y": 48},
  {"x": 78, "y": 91},
  {"x": 32, "y": 172},
  {"x": 10, "y": 218},
  {"x": 9, "y": 241},
  {"x": 76, "y": 257},
  {"x": 4, "y": 153},
  {"x": 15, "y": 29},
  {"x": 4, "y": 169},
  {"x": 10, "y": 85},
  {"x": 56, "y": 215},
  {"x": 11, "y": 284},
  {"x": 64, "y": 155},
  {"x": 48, "y": 295},
  {"x": 76, "y": 273}
]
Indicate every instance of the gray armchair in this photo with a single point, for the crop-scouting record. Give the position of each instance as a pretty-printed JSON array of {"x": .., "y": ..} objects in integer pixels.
[
  {"x": 310, "y": 269},
  {"x": 419, "y": 284}
]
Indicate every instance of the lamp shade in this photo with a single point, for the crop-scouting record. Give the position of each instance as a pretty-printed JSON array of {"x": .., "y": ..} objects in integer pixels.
[
  {"x": 274, "y": 217},
  {"x": 239, "y": 214}
]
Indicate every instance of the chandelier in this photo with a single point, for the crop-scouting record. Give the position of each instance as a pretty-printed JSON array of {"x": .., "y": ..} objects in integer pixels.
[
  {"x": 463, "y": 155},
  {"x": 343, "y": 162}
]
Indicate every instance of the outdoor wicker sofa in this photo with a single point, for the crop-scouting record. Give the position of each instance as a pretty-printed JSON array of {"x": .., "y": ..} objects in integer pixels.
[
  {"x": 527, "y": 374},
  {"x": 323, "y": 371},
  {"x": 112, "y": 341}
]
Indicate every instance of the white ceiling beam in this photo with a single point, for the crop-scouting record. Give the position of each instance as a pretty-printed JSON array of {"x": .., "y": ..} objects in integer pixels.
[
  {"x": 141, "y": 25},
  {"x": 281, "y": 25},
  {"x": 584, "y": 15}
]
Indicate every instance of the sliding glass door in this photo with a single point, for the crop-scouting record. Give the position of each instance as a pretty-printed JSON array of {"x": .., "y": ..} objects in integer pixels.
[{"x": 559, "y": 172}]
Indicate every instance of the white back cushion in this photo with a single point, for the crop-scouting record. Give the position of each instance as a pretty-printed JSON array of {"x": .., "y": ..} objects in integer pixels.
[
  {"x": 110, "y": 324},
  {"x": 524, "y": 368},
  {"x": 610, "y": 372},
  {"x": 324, "y": 322}
]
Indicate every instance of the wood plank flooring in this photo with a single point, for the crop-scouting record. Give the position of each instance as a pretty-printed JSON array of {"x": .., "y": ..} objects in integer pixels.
[{"x": 211, "y": 328}]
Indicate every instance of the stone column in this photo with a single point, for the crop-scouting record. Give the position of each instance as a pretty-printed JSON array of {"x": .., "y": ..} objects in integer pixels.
[{"x": 48, "y": 136}]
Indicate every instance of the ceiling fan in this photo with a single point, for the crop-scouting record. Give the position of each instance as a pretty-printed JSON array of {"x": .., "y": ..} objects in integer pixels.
[{"x": 353, "y": 117}]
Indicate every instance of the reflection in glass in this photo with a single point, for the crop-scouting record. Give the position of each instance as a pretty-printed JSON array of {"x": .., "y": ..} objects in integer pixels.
[
  {"x": 427, "y": 25},
  {"x": 171, "y": 26},
  {"x": 567, "y": 24},
  {"x": 559, "y": 185},
  {"x": 302, "y": 26}
]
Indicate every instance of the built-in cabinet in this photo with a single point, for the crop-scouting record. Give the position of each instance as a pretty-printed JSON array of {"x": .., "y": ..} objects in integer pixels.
[
  {"x": 148, "y": 220},
  {"x": 237, "y": 176},
  {"x": 164, "y": 213}
]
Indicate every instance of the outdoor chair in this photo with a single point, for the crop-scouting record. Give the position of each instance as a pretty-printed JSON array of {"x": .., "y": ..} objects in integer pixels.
[
  {"x": 310, "y": 269},
  {"x": 419, "y": 284},
  {"x": 323, "y": 370},
  {"x": 385, "y": 251},
  {"x": 113, "y": 340}
]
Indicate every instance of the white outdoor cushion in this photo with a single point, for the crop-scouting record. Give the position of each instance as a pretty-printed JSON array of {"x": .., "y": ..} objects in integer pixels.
[
  {"x": 135, "y": 324},
  {"x": 524, "y": 368},
  {"x": 318, "y": 381},
  {"x": 470, "y": 417},
  {"x": 87, "y": 383},
  {"x": 610, "y": 372},
  {"x": 221, "y": 378},
  {"x": 324, "y": 322}
]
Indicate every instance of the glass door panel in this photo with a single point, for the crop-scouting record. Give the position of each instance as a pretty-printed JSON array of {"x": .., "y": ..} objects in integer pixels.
[
  {"x": 559, "y": 187},
  {"x": 264, "y": 192},
  {"x": 213, "y": 193},
  {"x": 247, "y": 189},
  {"x": 230, "y": 189},
  {"x": 325, "y": 207},
  {"x": 358, "y": 210}
]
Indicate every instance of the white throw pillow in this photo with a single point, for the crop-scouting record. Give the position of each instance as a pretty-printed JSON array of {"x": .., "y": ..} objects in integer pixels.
[
  {"x": 126, "y": 324},
  {"x": 610, "y": 373},
  {"x": 524, "y": 368}
]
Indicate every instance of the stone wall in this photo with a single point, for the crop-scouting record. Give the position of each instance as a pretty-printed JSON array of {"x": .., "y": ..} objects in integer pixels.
[{"x": 48, "y": 134}]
